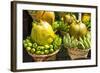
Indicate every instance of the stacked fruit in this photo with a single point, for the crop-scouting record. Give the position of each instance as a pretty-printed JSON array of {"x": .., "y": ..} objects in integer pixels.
[
  {"x": 78, "y": 35},
  {"x": 60, "y": 26},
  {"x": 75, "y": 30},
  {"x": 80, "y": 43},
  {"x": 34, "y": 48},
  {"x": 42, "y": 40}
]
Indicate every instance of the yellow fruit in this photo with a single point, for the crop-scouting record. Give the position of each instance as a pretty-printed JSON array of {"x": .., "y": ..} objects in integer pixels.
[
  {"x": 48, "y": 16},
  {"x": 42, "y": 33},
  {"x": 78, "y": 29},
  {"x": 69, "y": 18},
  {"x": 86, "y": 17}
]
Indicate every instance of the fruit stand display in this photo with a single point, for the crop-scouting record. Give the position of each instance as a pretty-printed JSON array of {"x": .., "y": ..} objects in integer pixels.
[{"x": 55, "y": 35}]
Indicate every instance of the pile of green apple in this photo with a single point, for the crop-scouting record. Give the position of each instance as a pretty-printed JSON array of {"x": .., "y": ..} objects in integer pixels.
[{"x": 35, "y": 48}]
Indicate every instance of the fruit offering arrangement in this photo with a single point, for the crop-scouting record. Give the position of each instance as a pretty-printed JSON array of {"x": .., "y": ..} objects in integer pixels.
[
  {"x": 34, "y": 48},
  {"x": 77, "y": 33},
  {"x": 80, "y": 43},
  {"x": 43, "y": 40},
  {"x": 50, "y": 30}
]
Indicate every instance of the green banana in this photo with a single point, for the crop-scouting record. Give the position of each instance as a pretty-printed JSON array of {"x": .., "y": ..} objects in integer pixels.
[
  {"x": 80, "y": 39},
  {"x": 72, "y": 38},
  {"x": 74, "y": 43},
  {"x": 68, "y": 36},
  {"x": 85, "y": 42},
  {"x": 69, "y": 40},
  {"x": 88, "y": 35},
  {"x": 82, "y": 45},
  {"x": 65, "y": 40},
  {"x": 88, "y": 42}
]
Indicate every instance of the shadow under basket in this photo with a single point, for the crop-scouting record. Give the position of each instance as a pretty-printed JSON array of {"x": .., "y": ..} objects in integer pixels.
[
  {"x": 75, "y": 53},
  {"x": 41, "y": 58}
]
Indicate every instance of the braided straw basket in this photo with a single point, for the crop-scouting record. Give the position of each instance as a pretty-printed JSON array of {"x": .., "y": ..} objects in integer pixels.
[{"x": 75, "y": 53}]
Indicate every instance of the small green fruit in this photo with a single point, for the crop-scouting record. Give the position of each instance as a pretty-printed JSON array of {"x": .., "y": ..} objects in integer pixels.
[
  {"x": 28, "y": 49},
  {"x": 46, "y": 46},
  {"x": 38, "y": 52},
  {"x": 51, "y": 50},
  {"x": 25, "y": 45},
  {"x": 30, "y": 44},
  {"x": 32, "y": 50},
  {"x": 46, "y": 51}
]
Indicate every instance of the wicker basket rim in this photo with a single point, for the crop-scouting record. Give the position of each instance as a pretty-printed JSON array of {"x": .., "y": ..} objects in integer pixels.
[{"x": 35, "y": 55}]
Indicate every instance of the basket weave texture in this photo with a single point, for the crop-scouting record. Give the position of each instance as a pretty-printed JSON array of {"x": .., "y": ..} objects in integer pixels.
[{"x": 75, "y": 53}]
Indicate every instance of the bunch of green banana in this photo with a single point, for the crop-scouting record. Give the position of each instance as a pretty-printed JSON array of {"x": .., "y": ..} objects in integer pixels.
[
  {"x": 57, "y": 42},
  {"x": 74, "y": 42},
  {"x": 70, "y": 42},
  {"x": 60, "y": 25},
  {"x": 80, "y": 43},
  {"x": 55, "y": 25},
  {"x": 63, "y": 27},
  {"x": 84, "y": 42}
]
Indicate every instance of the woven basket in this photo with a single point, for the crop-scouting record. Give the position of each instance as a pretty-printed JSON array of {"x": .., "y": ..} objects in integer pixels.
[
  {"x": 77, "y": 53},
  {"x": 41, "y": 58}
]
